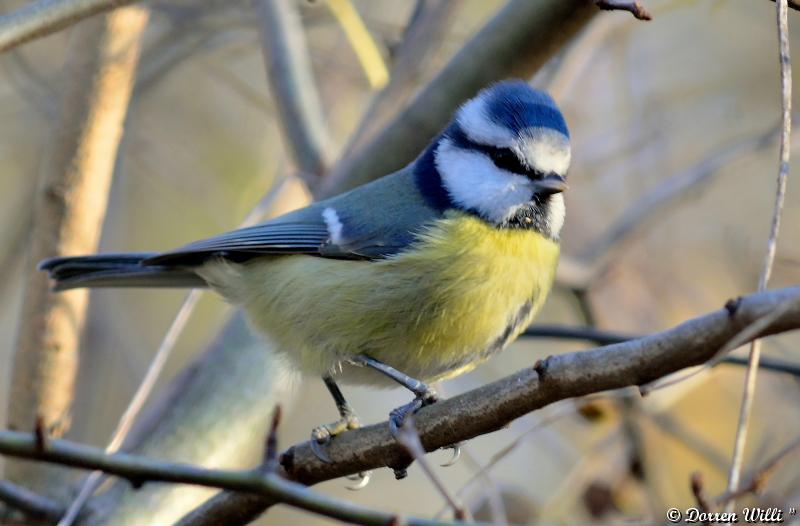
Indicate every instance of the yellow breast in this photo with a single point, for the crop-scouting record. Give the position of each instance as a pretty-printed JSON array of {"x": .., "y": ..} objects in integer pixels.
[{"x": 463, "y": 292}]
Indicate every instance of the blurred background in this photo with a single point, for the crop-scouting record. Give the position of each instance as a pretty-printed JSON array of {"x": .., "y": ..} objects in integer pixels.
[{"x": 646, "y": 102}]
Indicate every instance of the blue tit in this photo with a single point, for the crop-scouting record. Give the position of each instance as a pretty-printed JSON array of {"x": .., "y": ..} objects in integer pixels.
[{"x": 416, "y": 277}]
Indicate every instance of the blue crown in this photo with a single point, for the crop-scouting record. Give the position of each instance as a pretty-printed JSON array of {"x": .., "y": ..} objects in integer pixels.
[{"x": 517, "y": 106}]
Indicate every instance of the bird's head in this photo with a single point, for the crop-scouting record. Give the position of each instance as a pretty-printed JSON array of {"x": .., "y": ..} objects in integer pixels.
[{"x": 503, "y": 158}]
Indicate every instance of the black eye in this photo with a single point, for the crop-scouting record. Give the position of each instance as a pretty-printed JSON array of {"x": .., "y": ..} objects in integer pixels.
[{"x": 505, "y": 159}]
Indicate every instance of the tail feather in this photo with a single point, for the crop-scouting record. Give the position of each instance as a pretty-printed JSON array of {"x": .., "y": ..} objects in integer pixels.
[{"x": 116, "y": 270}]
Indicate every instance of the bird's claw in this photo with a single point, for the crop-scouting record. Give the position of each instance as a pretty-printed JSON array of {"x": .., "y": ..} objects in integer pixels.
[
  {"x": 362, "y": 480},
  {"x": 318, "y": 447},
  {"x": 456, "y": 455},
  {"x": 321, "y": 436}
]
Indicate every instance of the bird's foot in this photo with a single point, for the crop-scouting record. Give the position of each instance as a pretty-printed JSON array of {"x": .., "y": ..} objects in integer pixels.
[
  {"x": 321, "y": 436},
  {"x": 397, "y": 417}
]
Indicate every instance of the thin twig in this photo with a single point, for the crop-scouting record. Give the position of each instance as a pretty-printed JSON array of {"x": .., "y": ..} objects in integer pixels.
[
  {"x": 633, "y": 7},
  {"x": 760, "y": 478},
  {"x": 484, "y": 470},
  {"x": 369, "y": 56},
  {"x": 293, "y": 87},
  {"x": 139, "y": 470},
  {"x": 409, "y": 438},
  {"x": 769, "y": 258},
  {"x": 38, "y": 19},
  {"x": 699, "y": 491},
  {"x": 30, "y": 503}
]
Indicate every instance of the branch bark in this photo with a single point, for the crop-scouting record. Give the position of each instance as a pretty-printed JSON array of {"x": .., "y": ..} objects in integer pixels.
[
  {"x": 74, "y": 182},
  {"x": 39, "y": 19},
  {"x": 491, "y": 407},
  {"x": 139, "y": 470}
]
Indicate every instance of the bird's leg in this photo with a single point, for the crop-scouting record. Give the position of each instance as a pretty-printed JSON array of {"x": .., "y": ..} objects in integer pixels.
[
  {"x": 348, "y": 420},
  {"x": 423, "y": 395}
]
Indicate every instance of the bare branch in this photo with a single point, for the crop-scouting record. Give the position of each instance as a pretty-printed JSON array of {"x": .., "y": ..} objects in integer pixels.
[
  {"x": 633, "y": 7},
  {"x": 759, "y": 479},
  {"x": 74, "y": 182},
  {"x": 493, "y": 406},
  {"x": 30, "y": 503},
  {"x": 140, "y": 470},
  {"x": 292, "y": 83},
  {"x": 38, "y": 19},
  {"x": 601, "y": 337},
  {"x": 782, "y": 18}
]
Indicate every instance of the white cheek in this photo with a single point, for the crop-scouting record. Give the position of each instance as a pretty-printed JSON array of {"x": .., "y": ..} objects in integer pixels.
[
  {"x": 474, "y": 121},
  {"x": 556, "y": 211},
  {"x": 474, "y": 182}
]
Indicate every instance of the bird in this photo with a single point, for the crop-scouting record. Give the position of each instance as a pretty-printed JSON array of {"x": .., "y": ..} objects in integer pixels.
[{"x": 416, "y": 277}]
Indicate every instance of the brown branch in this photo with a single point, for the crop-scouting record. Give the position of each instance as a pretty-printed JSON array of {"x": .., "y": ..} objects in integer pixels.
[
  {"x": 38, "y": 19},
  {"x": 493, "y": 406},
  {"x": 140, "y": 470},
  {"x": 73, "y": 190},
  {"x": 635, "y": 8}
]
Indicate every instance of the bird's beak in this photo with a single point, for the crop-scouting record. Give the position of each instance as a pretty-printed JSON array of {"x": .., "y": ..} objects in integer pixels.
[{"x": 552, "y": 184}]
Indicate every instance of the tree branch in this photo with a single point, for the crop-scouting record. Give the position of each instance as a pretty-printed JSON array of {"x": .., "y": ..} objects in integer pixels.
[
  {"x": 32, "y": 504},
  {"x": 39, "y": 19},
  {"x": 601, "y": 337},
  {"x": 491, "y": 407},
  {"x": 139, "y": 470},
  {"x": 73, "y": 189}
]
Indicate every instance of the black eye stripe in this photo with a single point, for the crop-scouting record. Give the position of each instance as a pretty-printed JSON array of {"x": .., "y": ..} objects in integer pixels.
[{"x": 503, "y": 158}]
